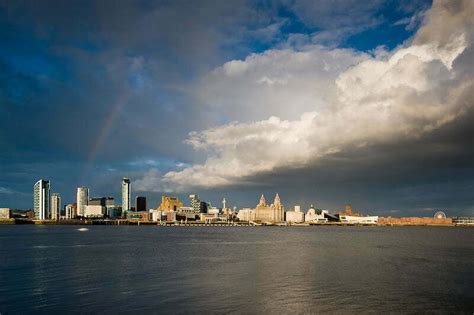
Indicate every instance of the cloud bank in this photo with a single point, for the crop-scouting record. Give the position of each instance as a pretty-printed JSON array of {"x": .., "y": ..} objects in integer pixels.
[{"x": 322, "y": 101}]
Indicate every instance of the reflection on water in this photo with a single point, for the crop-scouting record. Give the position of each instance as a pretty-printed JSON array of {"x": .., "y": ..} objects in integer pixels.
[{"x": 235, "y": 269}]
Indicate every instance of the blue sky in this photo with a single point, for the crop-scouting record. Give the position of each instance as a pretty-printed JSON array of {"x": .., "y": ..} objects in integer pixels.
[{"x": 91, "y": 91}]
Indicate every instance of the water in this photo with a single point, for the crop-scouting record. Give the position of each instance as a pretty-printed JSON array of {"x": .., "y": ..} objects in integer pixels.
[{"x": 124, "y": 269}]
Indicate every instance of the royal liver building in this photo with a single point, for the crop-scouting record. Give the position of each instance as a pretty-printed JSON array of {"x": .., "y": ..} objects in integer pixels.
[{"x": 269, "y": 213}]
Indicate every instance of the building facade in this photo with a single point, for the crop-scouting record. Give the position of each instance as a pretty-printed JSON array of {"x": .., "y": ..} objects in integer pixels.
[
  {"x": 5, "y": 213},
  {"x": 55, "y": 206},
  {"x": 126, "y": 195},
  {"x": 142, "y": 216},
  {"x": 82, "y": 200},
  {"x": 94, "y": 211},
  {"x": 70, "y": 211},
  {"x": 246, "y": 214},
  {"x": 140, "y": 203},
  {"x": 41, "y": 199},
  {"x": 169, "y": 203},
  {"x": 269, "y": 213},
  {"x": 195, "y": 202},
  {"x": 315, "y": 215},
  {"x": 294, "y": 216}
]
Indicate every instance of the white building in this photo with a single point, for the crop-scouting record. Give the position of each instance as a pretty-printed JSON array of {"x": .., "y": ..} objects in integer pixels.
[
  {"x": 94, "y": 211},
  {"x": 41, "y": 199},
  {"x": 126, "y": 195},
  {"x": 213, "y": 210},
  {"x": 69, "y": 211},
  {"x": 55, "y": 206},
  {"x": 295, "y": 216},
  {"x": 82, "y": 200},
  {"x": 359, "y": 220},
  {"x": 156, "y": 215},
  {"x": 246, "y": 214},
  {"x": 163, "y": 215},
  {"x": 316, "y": 216}
]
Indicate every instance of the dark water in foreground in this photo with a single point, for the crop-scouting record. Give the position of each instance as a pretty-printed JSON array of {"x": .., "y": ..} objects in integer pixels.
[{"x": 112, "y": 269}]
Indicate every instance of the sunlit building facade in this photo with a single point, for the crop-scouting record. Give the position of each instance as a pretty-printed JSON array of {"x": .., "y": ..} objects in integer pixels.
[
  {"x": 55, "y": 206},
  {"x": 70, "y": 211},
  {"x": 41, "y": 199},
  {"x": 82, "y": 200},
  {"x": 126, "y": 195},
  {"x": 269, "y": 213}
]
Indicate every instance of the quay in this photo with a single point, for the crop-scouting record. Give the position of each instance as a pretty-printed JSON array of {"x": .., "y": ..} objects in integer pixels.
[{"x": 118, "y": 222}]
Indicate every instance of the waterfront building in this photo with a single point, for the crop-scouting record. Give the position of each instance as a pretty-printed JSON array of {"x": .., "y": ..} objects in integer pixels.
[
  {"x": 142, "y": 216},
  {"x": 5, "y": 213},
  {"x": 316, "y": 215},
  {"x": 156, "y": 215},
  {"x": 198, "y": 204},
  {"x": 246, "y": 214},
  {"x": 113, "y": 212},
  {"x": 107, "y": 202},
  {"x": 94, "y": 211},
  {"x": 82, "y": 200},
  {"x": 209, "y": 217},
  {"x": 70, "y": 211},
  {"x": 414, "y": 221},
  {"x": 358, "y": 219},
  {"x": 41, "y": 199},
  {"x": 140, "y": 203},
  {"x": 269, "y": 213},
  {"x": 186, "y": 213},
  {"x": 295, "y": 216},
  {"x": 126, "y": 195},
  {"x": 463, "y": 220},
  {"x": 165, "y": 215},
  {"x": 213, "y": 210},
  {"x": 55, "y": 206},
  {"x": 169, "y": 203},
  {"x": 195, "y": 202}
]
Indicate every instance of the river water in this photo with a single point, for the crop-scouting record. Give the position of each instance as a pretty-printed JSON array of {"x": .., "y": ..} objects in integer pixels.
[{"x": 149, "y": 269}]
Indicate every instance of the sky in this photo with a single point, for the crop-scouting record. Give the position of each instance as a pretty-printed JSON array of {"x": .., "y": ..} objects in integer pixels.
[{"x": 325, "y": 102}]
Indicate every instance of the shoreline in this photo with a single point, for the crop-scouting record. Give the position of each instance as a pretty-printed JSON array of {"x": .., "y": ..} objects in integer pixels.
[{"x": 204, "y": 224}]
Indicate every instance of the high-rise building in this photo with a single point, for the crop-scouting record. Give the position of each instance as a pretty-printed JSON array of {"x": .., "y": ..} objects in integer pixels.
[
  {"x": 195, "y": 202},
  {"x": 41, "y": 195},
  {"x": 55, "y": 206},
  {"x": 70, "y": 211},
  {"x": 126, "y": 195},
  {"x": 140, "y": 203},
  {"x": 82, "y": 200},
  {"x": 198, "y": 204}
]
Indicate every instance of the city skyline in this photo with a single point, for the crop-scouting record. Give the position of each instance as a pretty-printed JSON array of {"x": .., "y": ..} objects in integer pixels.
[
  {"x": 49, "y": 206},
  {"x": 240, "y": 98}
]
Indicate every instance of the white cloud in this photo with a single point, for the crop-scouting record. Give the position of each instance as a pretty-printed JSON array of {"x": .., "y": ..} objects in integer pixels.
[{"x": 348, "y": 99}]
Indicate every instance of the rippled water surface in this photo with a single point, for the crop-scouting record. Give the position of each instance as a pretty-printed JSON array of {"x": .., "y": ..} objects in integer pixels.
[{"x": 121, "y": 269}]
